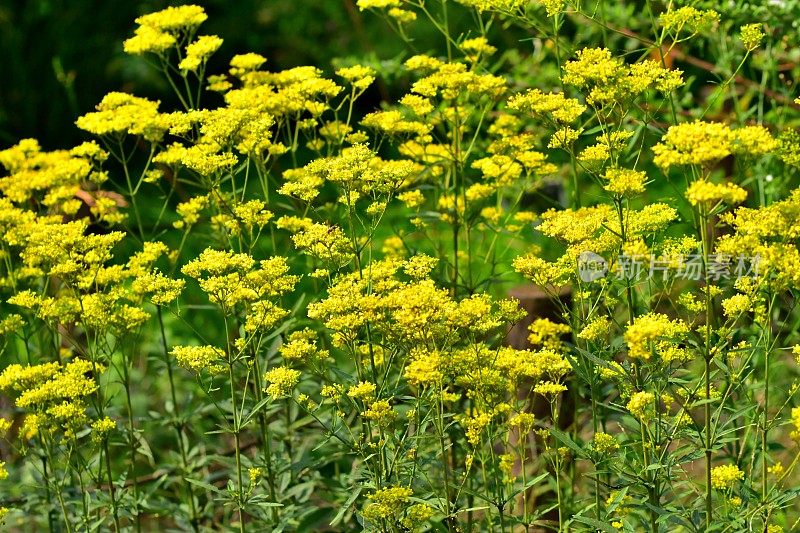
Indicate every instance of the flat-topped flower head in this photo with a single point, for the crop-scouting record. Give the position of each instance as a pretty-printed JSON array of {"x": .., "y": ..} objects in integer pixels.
[
  {"x": 281, "y": 381},
  {"x": 688, "y": 18},
  {"x": 555, "y": 106},
  {"x": 624, "y": 181},
  {"x": 174, "y": 18},
  {"x": 723, "y": 477},
  {"x": 160, "y": 31},
  {"x": 645, "y": 330},
  {"x": 694, "y": 143},
  {"x": 709, "y": 193}
]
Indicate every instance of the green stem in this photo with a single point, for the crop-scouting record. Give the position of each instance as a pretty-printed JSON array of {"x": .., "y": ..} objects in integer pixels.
[
  {"x": 111, "y": 489},
  {"x": 132, "y": 444},
  {"x": 266, "y": 438},
  {"x": 708, "y": 442},
  {"x": 237, "y": 445},
  {"x": 177, "y": 422}
]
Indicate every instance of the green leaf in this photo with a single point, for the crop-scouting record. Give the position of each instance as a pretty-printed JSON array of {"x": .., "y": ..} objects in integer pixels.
[
  {"x": 346, "y": 506},
  {"x": 565, "y": 439},
  {"x": 207, "y": 486}
]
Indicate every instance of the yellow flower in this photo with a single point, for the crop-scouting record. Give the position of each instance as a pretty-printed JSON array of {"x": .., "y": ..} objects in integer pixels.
[
  {"x": 706, "y": 192},
  {"x": 102, "y": 427},
  {"x": 604, "y": 444},
  {"x": 477, "y": 47},
  {"x": 547, "y": 334},
  {"x": 594, "y": 66},
  {"x": 377, "y": 4},
  {"x": 174, "y": 19},
  {"x": 624, "y": 182},
  {"x": 359, "y": 76},
  {"x": 282, "y": 381},
  {"x": 796, "y": 423},
  {"x": 416, "y": 516},
  {"x": 147, "y": 39},
  {"x": 646, "y": 329},
  {"x": 693, "y": 143},
  {"x": 553, "y": 105},
  {"x": 425, "y": 368},
  {"x": 751, "y": 36},
  {"x": 674, "y": 21},
  {"x": 753, "y": 141},
  {"x": 198, "y": 52},
  {"x": 380, "y": 412},
  {"x": 363, "y": 390},
  {"x": 641, "y": 405},
  {"x": 736, "y": 305},
  {"x": 197, "y": 358},
  {"x": 553, "y": 7},
  {"x": 777, "y": 469},
  {"x": 120, "y": 113},
  {"x": 596, "y": 329},
  {"x": 549, "y": 390},
  {"x": 388, "y": 503},
  {"x": 723, "y": 477},
  {"x": 254, "y": 474}
]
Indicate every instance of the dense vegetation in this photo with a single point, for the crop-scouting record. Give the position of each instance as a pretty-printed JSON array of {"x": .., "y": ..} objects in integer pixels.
[{"x": 270, "y": 297}]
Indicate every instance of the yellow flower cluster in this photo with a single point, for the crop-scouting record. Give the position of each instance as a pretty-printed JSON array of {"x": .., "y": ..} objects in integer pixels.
[
  {"x": 54, "y": 393},
  {"x": 604, "y": 444},
  {"x": 301, "y": 347},
  {"x": 160, "y": 31},
  {"x": 52, "y": 178},
  {"x": 359, "y": 76},
  {"x": 641, "y": 405},
  {"x": 708, "y": 193},
  {"x": 653, "y": 333},
  {"x": 689, "y": 18},
  {"x": 198, "y": 52},
  {"x": 624, "y": 181},
  {"x": 553, "y": 7},
  {"x": 795, "y": 434},
  {"x": 199, "y": 358},
  {"x": 609, "y": 80},
  {"x": 388, "y": 503},
  {"x": 751, "y": 36},
  {"x": 723, "y": 477},
  {"x": 704, "y": 143},
  {"x": 121, "y": 113},
  {"x": 477, "y": 47},
  {"x": 555, "y": 106},
  {"x": 454, "y": 80},
  {"x": 282, "y": 381},
  {"x": 229, "y": 278},
  {"x": 547, "y": 334}
]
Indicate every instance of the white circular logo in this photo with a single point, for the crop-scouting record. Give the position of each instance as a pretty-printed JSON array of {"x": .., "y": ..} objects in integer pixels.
[{"x": 591, "y": 266}]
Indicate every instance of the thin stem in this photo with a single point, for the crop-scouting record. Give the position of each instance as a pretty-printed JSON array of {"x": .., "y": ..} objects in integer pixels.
[
  {"x": 111, "y": 489},
  {"x": 266, "y": 438},
  {"x": 177, "y": 422},
  {"x": 237, "y": 445}
]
